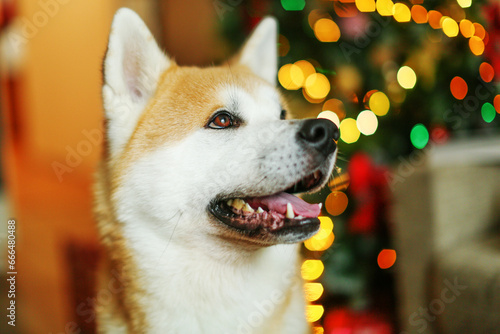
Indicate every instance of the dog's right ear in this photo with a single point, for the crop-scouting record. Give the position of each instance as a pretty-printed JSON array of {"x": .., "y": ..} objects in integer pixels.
[{"x": 132, "y": 68}]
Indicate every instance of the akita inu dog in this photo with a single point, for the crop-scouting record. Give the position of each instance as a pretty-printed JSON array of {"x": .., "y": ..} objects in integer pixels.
[{"x": 194, "y": 195}]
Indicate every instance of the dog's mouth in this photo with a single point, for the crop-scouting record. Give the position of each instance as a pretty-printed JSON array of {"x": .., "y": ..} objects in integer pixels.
[{"x": 282, "y": 214}]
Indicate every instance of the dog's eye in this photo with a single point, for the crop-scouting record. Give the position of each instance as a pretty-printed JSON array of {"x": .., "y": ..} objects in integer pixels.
[
  {"x": 221, "y": 120},
  {"x": 283, "y": 114}
]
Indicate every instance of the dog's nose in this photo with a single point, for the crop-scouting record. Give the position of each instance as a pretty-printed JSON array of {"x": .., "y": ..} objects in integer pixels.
[{"x": 319, "y": 134}]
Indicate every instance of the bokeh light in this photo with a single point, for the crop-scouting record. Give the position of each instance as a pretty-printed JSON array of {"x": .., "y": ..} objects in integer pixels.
[
  {"x": 488, "y": 112},
  {"x": 306, "y": 67},
  {"x": 315, "y": 15},
  {"x": 330, "y": 115},
  {"x": 367, "y": 122},
  {"x": 293, "y": 4},
  {"x": 479, "y": 30},
  {"x": 450, "y": 27},
  {"x": 314, "y": 312},
  {"x": 384, "y": 7},
  {"x": 313, "y": 291},
  {"x": 419, "y": 14},
  {"x": 435, "y": 19},
  {"x": 345, "y": 9},
  {"x": 284, "y": 45},
  {"x": 406, "y": 77},
  {"x": 318, "y": 330},
  {"x": 310, "y": 99},
  {"x": 367, "y": 96},
  {"x": 365, "y": 5},
  {"x": 458, "y": 88},
  {"x": 467, "y": 28},
  {"x": 317, "y": 86},
  {"x": 326, "y": 30},
  {"x": 319, "y": 244},
  {"x": 336, "y": 106},
  {"x": 379, "y": 103},
  {"x": 401, "y": 12},
  {"x": 290, "y": 76},
  {"x": 496, "y": 103},
  {"x": 386, "y": 258},
  {"x": 349, "y": 132},
  {"x": 419, "y": 136},
  {"x": 476, "y": 45},
  {"x": 486, "y": 72},
  {"x": 312, "y": 269},
  {"x": 336, "y": 203},
  {"x": 340, "y": 182},
  {"x": 464, "y": 3}
]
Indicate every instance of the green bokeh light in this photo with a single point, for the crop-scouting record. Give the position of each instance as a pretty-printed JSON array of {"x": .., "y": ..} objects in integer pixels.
[
  {"x": 293, "y": 4},
  {"x": 488, "y": 112},
  {"x": 419, "y": 136}
]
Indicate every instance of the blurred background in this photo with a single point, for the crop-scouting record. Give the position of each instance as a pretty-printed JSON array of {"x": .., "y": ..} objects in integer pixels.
[{"x": 410, "y": 233}]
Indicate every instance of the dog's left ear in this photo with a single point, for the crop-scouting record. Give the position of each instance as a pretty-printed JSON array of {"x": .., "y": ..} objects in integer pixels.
[{"x": 260, "y": 52}]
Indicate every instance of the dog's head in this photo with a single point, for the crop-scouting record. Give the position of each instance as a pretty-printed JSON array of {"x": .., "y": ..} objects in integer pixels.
[{"x": 208, "y": 152}]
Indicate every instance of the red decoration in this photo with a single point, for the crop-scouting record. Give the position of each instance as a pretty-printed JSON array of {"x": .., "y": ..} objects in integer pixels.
[
  {"x": 344, "y": 321},
  {"x": 492, "y": 48}
]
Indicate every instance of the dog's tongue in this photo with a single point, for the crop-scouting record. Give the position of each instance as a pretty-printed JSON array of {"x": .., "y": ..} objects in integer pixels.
[{"x": 279, "y": 202}]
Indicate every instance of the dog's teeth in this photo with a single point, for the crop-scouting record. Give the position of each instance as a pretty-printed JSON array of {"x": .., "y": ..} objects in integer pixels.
[
  {"x": 320, "y": 205},
  {"x": 299, "y": 217},
  {"x": 229, "y": 202},
  {"x": 259, "y": 210},
  {"x": 248, "y": 208},
  {"x": 289, "y": 211},
  {"x": 238, "y": 204}
]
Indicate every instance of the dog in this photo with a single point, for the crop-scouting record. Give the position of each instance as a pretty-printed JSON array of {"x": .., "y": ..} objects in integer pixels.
[{"x": 194, "y": 196}]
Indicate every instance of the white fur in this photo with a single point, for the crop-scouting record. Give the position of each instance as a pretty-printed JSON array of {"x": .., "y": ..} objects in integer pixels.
[{"x": 132, "y": 67}]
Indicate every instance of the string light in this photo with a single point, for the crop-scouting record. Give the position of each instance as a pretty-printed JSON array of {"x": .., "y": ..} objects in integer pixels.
[
  {"x": 419, "y": 14},
  {"x": 349, "y": 132},
  {"x": 486, "y": 72},
  {"x": 379, "y": 103},
  {"x": 458, "y": 88},
  {"x": 479, "y": 30},
  {"x": 314, "y": 312},
  {"x": 293, "y": 5},
  {"x": 464, "y": 3},
  {"x": 290, "y": 76},
  {"x": 306, "y": 67},
  {"x": 312, "y": 269},
  {"x": 313, "y": 291},
  {"x": 385, "y": 7},
  {"x": 435, "y": 19},
  {"x": 488, "y": 112},
  {"x": 401, "y": 12},
  {"x": 336, "y": 106},
  {"x": 284, "y": 45},
  {"x": 419, "y": 136},
  {"x": 336, "y": 202},
  {"x": 330, "y": 115},
  {"x": 367, "y": 122},
  {"x": 467, "y": 28},
  {"x": 317, "y": 86},
  {"x": 406, "y": 77},
  {"x": 365, "y": 5},
  {"x": 476, "y": 45},
  {"x": 496, "y": 103},
  {"x": 386, "y": 258},
  {"x": 450, "y": 27},
  {"x": 326, "y": 30}
]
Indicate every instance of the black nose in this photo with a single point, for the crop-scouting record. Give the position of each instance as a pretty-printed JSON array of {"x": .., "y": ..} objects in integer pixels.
[{"x": 319, "y": 134}]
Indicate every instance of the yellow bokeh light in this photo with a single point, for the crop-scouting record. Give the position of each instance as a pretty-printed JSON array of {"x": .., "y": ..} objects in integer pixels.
[
  {"x": 330, "y": 115},
  {"x": 467, "y": 28},
  {"x": 318, "y": 330},
  {"x": 450, "y": 26},
  {"x": 290, "y": 77},
  {"x": 379, "y": 103},
  {"x": 476, "y": 45},
  {"x": 312, "y": 269},
  {"x": 326, "y": 226},
  {"x": 319, "y": 245},
  {"x": 326, "y": 30},
  {"x": 313, "y": 291},
  {"x": 306, "y": 67},
  {"x": 314, "y": 312},
  {"x": 384, "y": 7},
  {"x": 401, "y": 12},
  {"x": 464, "y": 3},
  {"x": 367, "y": 122},
  {"x": 310, "y": 99},
  {"x": 365, "y": 5},
  {"x": 317, "y": 86},
  {"x": 349, "y": 132},
  {"x": 406, "y": 77}
]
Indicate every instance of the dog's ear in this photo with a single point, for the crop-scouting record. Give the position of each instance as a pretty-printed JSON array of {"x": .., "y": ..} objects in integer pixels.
[
  {"x": 260, "y": 52},
  {"x": 131, "y": 70}
]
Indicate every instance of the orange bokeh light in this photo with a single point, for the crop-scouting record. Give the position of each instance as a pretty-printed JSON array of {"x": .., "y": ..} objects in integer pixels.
[
  {"x": 386, "y": 258},
  {"x": 496, "y": 103},
  {"x": 336, "y": 203},
  {"x": 458, "y": 88},
  {"x": 336, "y": 106},
  {"x": 467, "y": 28},
  {"x": 419, "y": 14},
  {"x": 479, "y": 30},
  {"x": 326, "y": 30},
  {"x": 435, "y": 19},
  {"x": 476, "y": 45},
  {"x": 486, "y": 71}
]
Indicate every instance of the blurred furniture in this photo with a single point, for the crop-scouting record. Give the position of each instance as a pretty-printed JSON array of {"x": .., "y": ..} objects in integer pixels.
[{"x": 447, "y": 233}]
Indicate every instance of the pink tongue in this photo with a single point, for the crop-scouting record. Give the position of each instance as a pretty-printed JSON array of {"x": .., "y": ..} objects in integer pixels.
[{"x": 279, "y": 201}]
